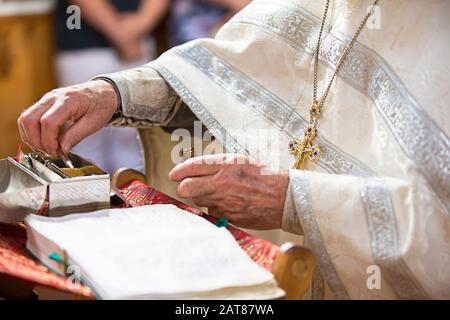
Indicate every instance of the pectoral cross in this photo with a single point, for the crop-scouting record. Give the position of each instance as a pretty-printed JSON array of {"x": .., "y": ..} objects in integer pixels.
[{"x": 305, "y": 149}]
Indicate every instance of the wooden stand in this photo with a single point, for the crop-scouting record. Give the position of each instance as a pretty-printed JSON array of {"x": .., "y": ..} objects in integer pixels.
[
  {"x": 294, "y": 269},
  {"x": 26, "y": 71}
]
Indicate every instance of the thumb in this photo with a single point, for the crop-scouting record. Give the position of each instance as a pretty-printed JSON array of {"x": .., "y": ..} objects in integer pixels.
[{"x": 76, "y": 133}]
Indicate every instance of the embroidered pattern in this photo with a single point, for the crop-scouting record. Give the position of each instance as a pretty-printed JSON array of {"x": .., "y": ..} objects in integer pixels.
[
  {"x": 273, "y": 109},
  {"x": 317, "y": 286},
  {"x": 333, "y": 160},
  {"x": 201, "y": 112},
  {"x": 300, "y": 191},
  {"x": 417, "y": 134},
  {"x": 269, "y": 106},
  {"x": 384, "y": 242}
]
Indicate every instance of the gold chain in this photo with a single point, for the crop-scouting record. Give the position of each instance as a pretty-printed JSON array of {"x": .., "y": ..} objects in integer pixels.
[
  {"x": 306, "y": 148},
  {"x": 344, "y": 54}
]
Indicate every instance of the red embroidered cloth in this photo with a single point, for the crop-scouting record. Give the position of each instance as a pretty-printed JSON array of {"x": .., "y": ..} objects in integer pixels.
[{"x": 15, "y": 262}]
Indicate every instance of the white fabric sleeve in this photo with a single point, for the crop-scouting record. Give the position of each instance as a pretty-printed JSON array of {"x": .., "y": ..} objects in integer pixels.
[
  {"x": 145, "y": 99},
  {"x": 360, "y": 225}
]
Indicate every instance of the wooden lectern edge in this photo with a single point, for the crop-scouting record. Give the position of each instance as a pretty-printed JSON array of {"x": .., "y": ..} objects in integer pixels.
[
  {"x": 294, "y": 270},
  {"x": 124, "y": 176}
]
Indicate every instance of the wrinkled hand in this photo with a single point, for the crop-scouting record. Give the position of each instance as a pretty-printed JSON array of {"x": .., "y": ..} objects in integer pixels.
[
  {"x": 250, "y": 195},
  {"x": 86, "y": 108}
]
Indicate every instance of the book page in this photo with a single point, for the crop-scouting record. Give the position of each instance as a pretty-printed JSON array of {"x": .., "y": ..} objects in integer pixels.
[{"x": 152, "y": 251}]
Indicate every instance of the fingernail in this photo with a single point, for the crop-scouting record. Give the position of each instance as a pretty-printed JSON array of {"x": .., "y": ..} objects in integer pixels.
[{"x": 66, "y": 147}]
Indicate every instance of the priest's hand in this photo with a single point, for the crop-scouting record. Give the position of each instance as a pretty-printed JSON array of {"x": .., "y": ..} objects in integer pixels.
[
  {"x": 250, "y": 195},
  {"x": 80, "y": 110}
]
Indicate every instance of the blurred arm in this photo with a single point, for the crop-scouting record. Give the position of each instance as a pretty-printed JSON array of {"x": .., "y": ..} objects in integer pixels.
[
  {"x": 232, "y": 5},
  {"x": 100, "y": 15},
  {"x": 151, "y": 12}
]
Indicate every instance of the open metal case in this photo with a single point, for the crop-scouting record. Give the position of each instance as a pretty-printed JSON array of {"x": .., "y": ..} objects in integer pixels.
[{"x": 35, "y": 183}]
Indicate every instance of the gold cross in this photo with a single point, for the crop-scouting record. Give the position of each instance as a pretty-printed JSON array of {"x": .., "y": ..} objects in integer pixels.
[{"x": 306, "y": 148}]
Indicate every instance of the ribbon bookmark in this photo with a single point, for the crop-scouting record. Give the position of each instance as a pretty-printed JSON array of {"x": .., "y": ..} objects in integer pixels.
[
  {"x": 222, "y": 223},
  {"x": 56, "y": 257}
]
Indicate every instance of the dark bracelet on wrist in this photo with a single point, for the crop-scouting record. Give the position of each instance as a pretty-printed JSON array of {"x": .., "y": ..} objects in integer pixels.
[{"x": 119, "y": 110}]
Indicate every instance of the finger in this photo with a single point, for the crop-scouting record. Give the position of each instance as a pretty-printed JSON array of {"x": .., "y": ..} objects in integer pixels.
[
  {"x": 196, "y": 187},
  {"x": 196, "y": 167},
  {"x": 51, "y": 123},
  {"x": 29, "y": 121},
  {"x": 23, "y": 136},
  {"x": 76, "y": 133}
]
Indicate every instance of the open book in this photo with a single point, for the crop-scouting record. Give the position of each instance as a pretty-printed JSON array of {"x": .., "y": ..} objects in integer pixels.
[{"x": 150, "y": 252}]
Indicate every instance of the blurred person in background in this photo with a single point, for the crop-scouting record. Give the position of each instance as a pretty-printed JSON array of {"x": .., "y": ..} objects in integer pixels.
[
  {"x": 114, "y": 35},
  {"x": 194, "y": 19}
]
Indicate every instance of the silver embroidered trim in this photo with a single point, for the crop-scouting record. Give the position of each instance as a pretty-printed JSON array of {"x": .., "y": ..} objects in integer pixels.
[
  {"x": 258, "y": 98},
  {"x": 216, "y": 129},
  {"x": 274, "y": 109},
  {"x": 384, "y": 242},
  {"x": 269, "y": 106},
  {"x": 231, "y": 144},
  {"x": 290, "y": 220},
  {"x": 122, "y": 121},
  {"x": 318, "y": 286},
  {"x": 418, "y": 135},
  {"x": 313, "y": 236}
]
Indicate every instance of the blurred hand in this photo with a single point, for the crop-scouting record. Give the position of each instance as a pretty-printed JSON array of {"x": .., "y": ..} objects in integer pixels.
[
  {"x": 129, "y": 37},
  {"x": 249, "y": 195},
  {"x": 86, "y": 107},
  {"x": 130, "y": 51},
  {"x": 135, "y": 25}
]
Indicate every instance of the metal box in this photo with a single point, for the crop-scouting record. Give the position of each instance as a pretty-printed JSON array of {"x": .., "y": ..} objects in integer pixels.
[{"x": 37, "y": 184}]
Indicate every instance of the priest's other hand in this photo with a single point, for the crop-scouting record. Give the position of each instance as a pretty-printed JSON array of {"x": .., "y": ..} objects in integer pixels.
[
  {"x": 64, "y": 117},
  {"x": 249, "y": 194}
]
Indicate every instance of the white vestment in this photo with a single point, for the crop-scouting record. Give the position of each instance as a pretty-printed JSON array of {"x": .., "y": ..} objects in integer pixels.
[{"x": 380, "y": 193}]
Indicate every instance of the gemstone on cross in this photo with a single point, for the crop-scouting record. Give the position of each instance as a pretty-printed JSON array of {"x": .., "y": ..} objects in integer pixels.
[{"x": 303, "y": 149}]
